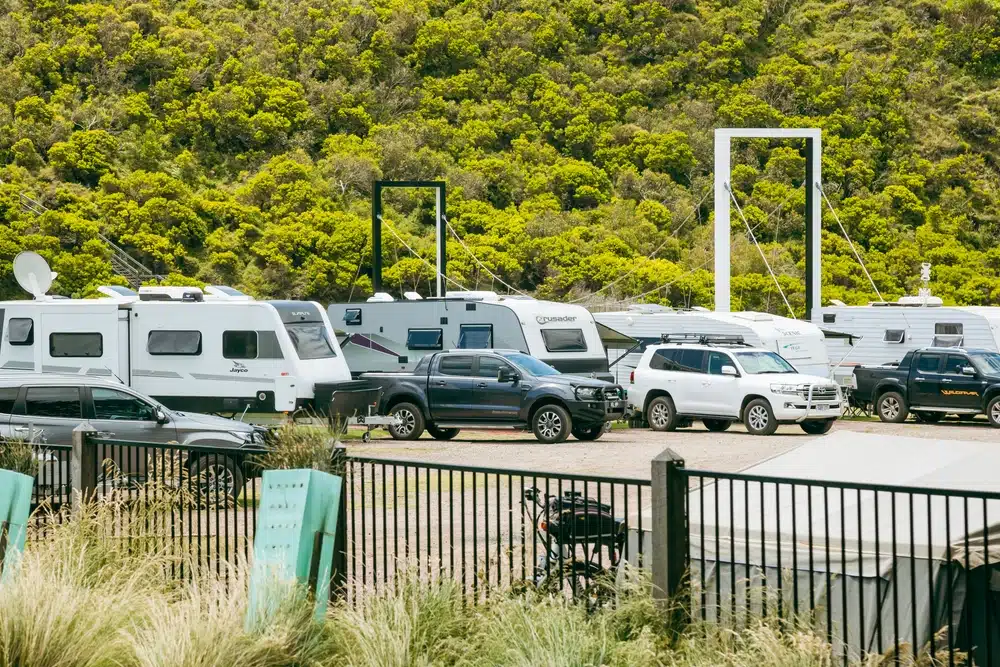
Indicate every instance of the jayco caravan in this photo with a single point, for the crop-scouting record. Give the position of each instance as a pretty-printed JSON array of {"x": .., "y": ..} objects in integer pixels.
[
  {"x": 383, "y": 334},
  {"x": 801, "y": 343},
  {"x": 209, "y": 351}
]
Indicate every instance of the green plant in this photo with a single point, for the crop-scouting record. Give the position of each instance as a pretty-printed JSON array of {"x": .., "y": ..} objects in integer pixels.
[
  {"x": 18, "y": 455},
  {"x": 296, "y": 446}
]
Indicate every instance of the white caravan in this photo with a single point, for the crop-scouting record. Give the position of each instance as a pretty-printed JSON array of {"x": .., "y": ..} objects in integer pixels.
[
  {"x": 383, "y": 334},
  {"x": 213, "y": 351},
  {"x": 798, "y": 341}
]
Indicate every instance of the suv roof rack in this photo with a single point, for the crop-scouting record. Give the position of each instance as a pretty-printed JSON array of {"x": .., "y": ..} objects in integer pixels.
[{"x": 705, "y": 339}]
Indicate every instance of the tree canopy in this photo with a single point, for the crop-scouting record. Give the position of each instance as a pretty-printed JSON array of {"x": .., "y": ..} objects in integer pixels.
[{"x": 236, "y": 143}]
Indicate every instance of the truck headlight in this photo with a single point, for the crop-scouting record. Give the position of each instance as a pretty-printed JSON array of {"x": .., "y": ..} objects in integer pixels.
[
  {"x": 589, "y": 393},
  {"x": 788, "y": 389}
]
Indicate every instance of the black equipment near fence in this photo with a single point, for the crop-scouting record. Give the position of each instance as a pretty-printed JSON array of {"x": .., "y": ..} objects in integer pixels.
[{"x": 873, "y": 568}]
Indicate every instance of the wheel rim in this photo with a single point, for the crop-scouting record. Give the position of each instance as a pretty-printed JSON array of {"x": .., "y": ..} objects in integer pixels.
[
  {"x": 658, "y": 415},
  {"x": 995, "y": 413},
  {"x": 550, "y": 425},
  {"x": 409, "y": 422},
  {"x": 216, "y": 482},
  {"x": 890, "y": 408},
  {"x": 758, "y": 417}
]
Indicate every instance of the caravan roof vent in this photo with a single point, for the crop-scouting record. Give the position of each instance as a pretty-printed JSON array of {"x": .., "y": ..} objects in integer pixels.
[
  {"x": 837, "y": 302},
  {"x": 754, "y": 316},
  {"x": 225, "y": 293},
  {"x": 920, "y": 301},
  {"x": 170, "y": 293},
  {"x": 700, "y": 309},
  {"x": 380, "y": 297},
  {"x": 119, "y": 293},
  {"x": 473, "y": 295},
  {"x": 649, "y": 308},
  {"x": 412, "y": 296}
]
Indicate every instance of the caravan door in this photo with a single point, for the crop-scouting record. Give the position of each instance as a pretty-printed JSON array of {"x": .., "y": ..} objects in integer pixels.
[{"x": 80, "y": 343}]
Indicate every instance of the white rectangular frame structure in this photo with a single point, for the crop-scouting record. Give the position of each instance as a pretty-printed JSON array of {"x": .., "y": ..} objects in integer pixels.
[{"x": 814, "y": 211}]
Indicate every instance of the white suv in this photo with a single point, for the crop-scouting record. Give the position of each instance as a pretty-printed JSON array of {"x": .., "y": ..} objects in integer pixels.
[{"x": 721, "y": 380}]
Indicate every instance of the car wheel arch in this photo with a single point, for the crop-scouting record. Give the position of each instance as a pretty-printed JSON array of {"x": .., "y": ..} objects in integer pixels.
[
  {"x": 396, "y": 399},
  {"x": 654, "y": 394},
  {"x": 751, "y": 397}
]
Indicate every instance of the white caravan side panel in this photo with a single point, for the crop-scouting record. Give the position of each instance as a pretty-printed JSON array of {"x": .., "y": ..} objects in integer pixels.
[{"x": 96, "y": 333}]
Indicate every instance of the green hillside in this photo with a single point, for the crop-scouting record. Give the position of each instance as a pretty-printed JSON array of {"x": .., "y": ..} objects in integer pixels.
[{"x": 236, "y": 142}]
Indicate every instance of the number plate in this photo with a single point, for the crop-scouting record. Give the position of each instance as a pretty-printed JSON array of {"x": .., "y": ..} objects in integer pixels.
[
  {"x": 616, "y": 404},
  {"x": 822, "y": 406}
]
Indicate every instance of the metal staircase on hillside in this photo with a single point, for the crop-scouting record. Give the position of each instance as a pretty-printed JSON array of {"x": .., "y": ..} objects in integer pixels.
[{"x": 123, "y": 264}]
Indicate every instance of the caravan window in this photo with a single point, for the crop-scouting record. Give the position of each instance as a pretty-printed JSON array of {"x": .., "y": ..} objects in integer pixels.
[
  {"x": 352, "y": 317},
  {"x": 53, "y": 402},
  {"x": 424, "y": 339},
  {"x": 180, "y": 343},
  {"x": 564, "y": 340},
  {"x": 894, "y": 336},
  {"x": 311, "y": 340},
  {"x": 76, "y": 345},
  {"x": 947, "y": 334},
  {"x": 21, "y": 331},
  {"x": 475, "y": 336},
  {"x": 239, "y": 344}
]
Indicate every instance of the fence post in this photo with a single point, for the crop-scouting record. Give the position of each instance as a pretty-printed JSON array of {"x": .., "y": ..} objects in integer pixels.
[
  {"x": 669, "y": 531},
  {"x": 83, "y": 464},
  {"x": 338, "y": 583}
]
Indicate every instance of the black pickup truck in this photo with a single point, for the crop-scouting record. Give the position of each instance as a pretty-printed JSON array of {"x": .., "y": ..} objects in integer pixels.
[
  {"x": 448, "y": 391},
  {"x": 931, "y": 383}
]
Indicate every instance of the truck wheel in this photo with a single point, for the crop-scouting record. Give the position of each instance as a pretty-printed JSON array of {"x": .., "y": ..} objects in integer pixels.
[
  {"x": 993, "y": 412},
  {"x": 586, "y": 434},
  {"x": 891, "y": 407},
  {"x": 551, "y": 424},
  {"x": 661, "y": 414},
  {"x": 716, "y": 425},
  {"x": 817, "y": 427},
  {"x": 759, "y": 418},
  {"x": 442, "y": 433},
  {"x": 411, "y": 426},
  {"x": 928, "y": 417}
]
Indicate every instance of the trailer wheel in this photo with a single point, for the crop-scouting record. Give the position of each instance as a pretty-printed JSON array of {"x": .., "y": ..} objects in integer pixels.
[
  {"x": 716, "y": 425},
  {"x": 411, "y": 424},
  {"x": 891, "y": 407},
  {"x": 928, "y": 417},
  {"x": 817, "y": 426},
  {"x": 442, "y": 433},
  {"x": 588, "y": 433}
]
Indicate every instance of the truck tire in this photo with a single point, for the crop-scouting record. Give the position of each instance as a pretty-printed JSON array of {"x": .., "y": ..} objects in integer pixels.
[
  {"x": 993, "y": 412},
  {"x": 661, "y": 414},
  {"x": 412, "y": 426},
  {"x": 758, "y": 417},
  {"x": 928, "y": 417},
  {"x": 551, "y": 424},
  {"x": 716, "y": 425},
  {"x": 588, "y": 433},
  {"x": 891, "y": 407},
  {"x": 817, "y": 426},
  {"x": 217, "y": 480},
  {"x": 442, "y": 433}
]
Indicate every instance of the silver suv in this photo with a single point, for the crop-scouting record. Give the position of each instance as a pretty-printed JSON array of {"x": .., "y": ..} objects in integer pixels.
[{"x": 45, "y": 408}]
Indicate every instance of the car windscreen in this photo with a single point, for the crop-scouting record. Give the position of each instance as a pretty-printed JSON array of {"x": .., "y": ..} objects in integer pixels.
[
  {"x": 760, "y": 363},
  {"x": 534, "y": 366},
  {"x": 311, "y": 340},
  {"x": 987, "y": 363}
]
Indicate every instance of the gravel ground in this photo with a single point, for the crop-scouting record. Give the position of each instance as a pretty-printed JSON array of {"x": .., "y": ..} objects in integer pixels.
[{"x": 628, "y": 452}]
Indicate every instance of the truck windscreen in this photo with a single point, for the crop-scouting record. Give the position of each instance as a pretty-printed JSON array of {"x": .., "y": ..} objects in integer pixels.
[{"x": 311, "y": 340}]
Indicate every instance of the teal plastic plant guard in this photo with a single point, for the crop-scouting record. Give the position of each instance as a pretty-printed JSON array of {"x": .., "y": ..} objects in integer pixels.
[
  {"x": 15, "y": 508},
  {"x": 294, "y": 541}
]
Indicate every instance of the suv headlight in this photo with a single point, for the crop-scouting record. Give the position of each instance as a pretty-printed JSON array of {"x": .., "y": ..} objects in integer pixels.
[
  {"x": 589, "y": 394},
  {"x": 242, "y": 436},
  {"x": 789, "y": 389}
]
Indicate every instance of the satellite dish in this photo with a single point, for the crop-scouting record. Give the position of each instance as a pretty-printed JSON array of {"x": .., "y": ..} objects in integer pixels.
[{"x": 33, "y": 273}]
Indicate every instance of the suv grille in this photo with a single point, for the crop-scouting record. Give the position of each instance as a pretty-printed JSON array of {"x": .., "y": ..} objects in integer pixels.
[{"x": 824, "y": 394}]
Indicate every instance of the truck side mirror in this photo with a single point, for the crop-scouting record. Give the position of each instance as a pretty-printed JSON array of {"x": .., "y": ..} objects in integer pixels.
[
  {"x": 730, "y": 371},
  {"x": 506, "y": 375},
  {"x": 968, "y": 370}
]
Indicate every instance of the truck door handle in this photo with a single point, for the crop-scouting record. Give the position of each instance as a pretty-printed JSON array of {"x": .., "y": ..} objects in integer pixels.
[
  {"x": 923, "y": 380},
  {"x": 441, "y": 383},
  {"x": 481, "y": 385},
  {"x": 945, "y": 380}
]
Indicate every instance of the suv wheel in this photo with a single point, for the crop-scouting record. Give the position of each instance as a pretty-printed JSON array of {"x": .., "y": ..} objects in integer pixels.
[
  {"x": 551, "y": 423},
  {"x": 891, "y": 407},
  {"x": 716, "y": 425},
  {"x": 217, "y": 480},
  {"x": 759, "y": 418},
  {"x": 817, "y": 426},
  {"x": 590, "y": 433},
  {"x": 993, "y": 412},
  {"x": 442, "y": 433},
  {"x": 661, "y": 414},
  {"x": 411, "y": 424}
]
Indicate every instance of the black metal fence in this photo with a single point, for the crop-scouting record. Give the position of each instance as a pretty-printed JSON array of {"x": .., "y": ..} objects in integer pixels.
[
  {"x": 876, "y": 569},
  {"x": 488, "y": 528}
]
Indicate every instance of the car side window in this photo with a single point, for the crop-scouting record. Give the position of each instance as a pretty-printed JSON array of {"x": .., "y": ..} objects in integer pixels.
[
  {"x": 716, "y": 360},
  {"x": 458, "y": 365},
  {"x": 928, "y": 363},
  {"x": 664, "y": 360},
  {"x": 954, "y": 364},
  {"x": 692, "y": 361},
  {"x": 61, "y": 402},
  {"x": 489, "y": 367},
  {"x": 117, "y": 405}
]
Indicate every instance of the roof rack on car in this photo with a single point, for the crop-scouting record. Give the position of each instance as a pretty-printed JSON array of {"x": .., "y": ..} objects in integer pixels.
[{"x": 705, "y": 339}]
